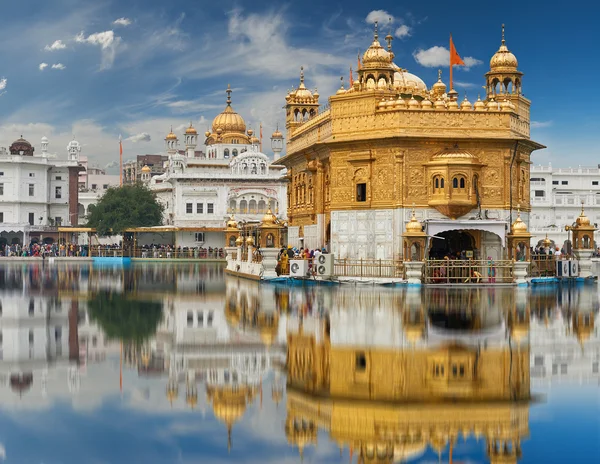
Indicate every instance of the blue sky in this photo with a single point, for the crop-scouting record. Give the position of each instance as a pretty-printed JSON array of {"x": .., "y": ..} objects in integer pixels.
[{"x": 137, "y": 67}]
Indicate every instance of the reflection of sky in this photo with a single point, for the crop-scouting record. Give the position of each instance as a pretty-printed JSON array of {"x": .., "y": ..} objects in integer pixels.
[{"x": 564, "y": 428}]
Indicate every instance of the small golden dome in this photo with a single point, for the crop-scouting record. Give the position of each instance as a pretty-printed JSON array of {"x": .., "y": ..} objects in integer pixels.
[
  {"x": 229, "y": 120},
  {"x": 466, "y": 104},
  {"x": 376, "y": 56},
  {"x": 254, "y": 140},
  {"x": 440, "y": 104},
  {"x": 191, "y": 130},
  {"x": 439, "y": 87},
  {"x": 479, "y": 104},
  {"x": 547, "y": 242},
  {"x": 231, "y": 224},
  {"x": 277, "y": 135},
  {"x": 413, "y": 104},
  {"x": 426, "y": 103},
  {"x": 492, "y": 104},
  {"x": 518, "y": 227},
  {"x": 583, "y": 220},
  {"x": 503, "y": 59},
  {"x": 268, "y": 218},
  {"x": 506, "y": 106},
  {"x": 239, "y": 241},
  {"x": 454, "y": 153},
  {"x": 207, "y": 134},
  {"x": 146, "y": 168},
  {"x": 250, "y": 132},
  {"x": 414, "y": 225},
  {"x": 453, "y": 104},
  {"x": 249, "y": 240},
  {"x": 302, "y": 93},
  {"x": 171, "y": 135}
]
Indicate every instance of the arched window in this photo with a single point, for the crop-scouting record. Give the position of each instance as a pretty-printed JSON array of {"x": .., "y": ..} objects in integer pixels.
[
  {"x": 462, "y": 183},
  {"x": 243, "y": 207},
  {"x": 252, "y": 206},
  {"x": 455, "y": 183},
  {"x": 262, "y": 206},
  {"x": 234, "y": 152},
  {"x": 244, "y": 168},
  {"x": 458, "y": 183},
  {"x": 253, "y": 169},
  {"x": 232, "y": 206},
  {"x": 232, "y": 241},
  {"x": 263, "y": 168},
  {"x": 438, "y": 184},
  {"x": 226, "y": 153}
]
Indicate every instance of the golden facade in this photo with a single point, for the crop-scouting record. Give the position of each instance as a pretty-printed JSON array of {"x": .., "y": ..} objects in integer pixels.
[{"x": 388, "y": 142}]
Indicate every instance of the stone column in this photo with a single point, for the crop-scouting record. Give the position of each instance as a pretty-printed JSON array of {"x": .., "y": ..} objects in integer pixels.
[
  {"x": 414, "y": 272},
  {"x": 585, "y": 262},
  {"x": 269, "y": 261},
  {"x": 520, "y": 272},
  {"x": 250, "y": 253},
  {"x": 239, "y": 255}
]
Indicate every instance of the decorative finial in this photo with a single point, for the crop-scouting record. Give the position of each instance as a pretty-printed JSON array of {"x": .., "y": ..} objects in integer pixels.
[
  {"x": 413, "y": 211},
  {"x": 228, "y": 91},
  {"x": 439, "y": 74},
  {"x": 582, "y": 212},
  {"x": 342, "y": 82},
  {"x": 389, "y": 38},
  {"x": 519, "y": 211},
  {"x": 503, "y": 41},
  {"x": 301, "y": 74},
  {"x": 376, "y": 35}
]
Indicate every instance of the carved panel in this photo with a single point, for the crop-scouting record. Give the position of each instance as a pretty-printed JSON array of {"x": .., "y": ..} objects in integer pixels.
[{"x": 491, "y": 176}]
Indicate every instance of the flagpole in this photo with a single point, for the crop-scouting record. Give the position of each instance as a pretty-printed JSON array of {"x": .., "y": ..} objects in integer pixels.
[
  {"x": 451, "y": 84},
  {"x": 120, "y": 161}
]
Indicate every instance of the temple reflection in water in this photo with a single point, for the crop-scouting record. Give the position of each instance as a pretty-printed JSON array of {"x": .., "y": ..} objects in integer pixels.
[{"x": 389, "y": 375}]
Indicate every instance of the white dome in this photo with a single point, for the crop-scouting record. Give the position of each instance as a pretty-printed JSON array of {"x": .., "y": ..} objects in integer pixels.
[
  {"x": 407, "y": 82},
  {"x": 73, "y": 144},
  {"x": 44, "y": 139}
]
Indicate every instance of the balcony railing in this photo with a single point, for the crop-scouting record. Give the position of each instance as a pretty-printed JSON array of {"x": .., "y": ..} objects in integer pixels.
[
  {"x": 385, "y": 268},
  {"x": 448, "y": 271}
]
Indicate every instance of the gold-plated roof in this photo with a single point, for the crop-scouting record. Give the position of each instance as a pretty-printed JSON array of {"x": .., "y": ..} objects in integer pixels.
[
  {"x": 302, "y": 92},
  {"x": 582, "y": 219},
  {"x": 269, "y": 218},
  {"x": 376, "y": 56},
  {"x": 191, "y": 130},
  {"x": 414, "y": 225},
  {"x": 518, "y": 227},
  {"x": 146, "y": 168},
  {"x": 229, "y": 120},
  {"x": 231, "y": 224},
  {"x": 454, "y": 154},
  {"x": 503, "y": 59},
  {"x": 171, "y": 135}
]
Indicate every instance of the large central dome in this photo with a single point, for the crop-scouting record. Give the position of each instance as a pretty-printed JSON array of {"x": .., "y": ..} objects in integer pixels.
[{"x": 229, "y": 121}]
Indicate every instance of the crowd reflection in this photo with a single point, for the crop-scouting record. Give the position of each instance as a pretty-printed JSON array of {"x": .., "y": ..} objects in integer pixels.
[{"x": 389, "y": 374}]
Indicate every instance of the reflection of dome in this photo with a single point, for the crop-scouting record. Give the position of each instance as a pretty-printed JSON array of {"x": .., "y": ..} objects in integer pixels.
[
  {"x": 229, "y": 120},
  {"x": 21, "y": 147},
  {"x": 20, "y": 383},
  {"x": 503, "y": 58},
  {"x": 408, "y": 451}
]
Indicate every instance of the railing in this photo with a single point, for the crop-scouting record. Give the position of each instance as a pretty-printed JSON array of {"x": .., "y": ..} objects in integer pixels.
[
  {"x": 390, "y": 268},
  {"x": 106, "y": 252},
  {"x": 542, "y": 266},
  {"x": 454, "y": 271},
  {"x": 190, "y": 253},
  {"x": 257, "y": 257}
]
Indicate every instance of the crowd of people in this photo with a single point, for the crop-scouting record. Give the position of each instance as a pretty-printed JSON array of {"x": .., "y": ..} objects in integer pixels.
[
  {"x": 289, "y": 253},
  {"x": 171, "y": 251},
  {"x": 44, "y": 250}
]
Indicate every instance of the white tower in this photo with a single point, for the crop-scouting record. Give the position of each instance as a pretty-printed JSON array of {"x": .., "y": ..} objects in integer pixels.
[
  {"x": 191, "y": 140},
  {"x": 146, "y": 174},
  {"x": 74, "y": 150},
  {"x": 44, "y": 147},
  {"x": 277, "y": 143},
  {"x": 171, "y": 143}
]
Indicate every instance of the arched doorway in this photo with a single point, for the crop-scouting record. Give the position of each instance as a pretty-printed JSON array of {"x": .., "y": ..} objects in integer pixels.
[{"x": 452, "y": 243}]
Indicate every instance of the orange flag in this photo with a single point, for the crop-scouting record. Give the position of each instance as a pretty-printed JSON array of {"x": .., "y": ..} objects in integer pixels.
[
  {"x": 359, "y": 66},
  {"x": 455, "y": 59},
  {"x": 351, "y": 77}
]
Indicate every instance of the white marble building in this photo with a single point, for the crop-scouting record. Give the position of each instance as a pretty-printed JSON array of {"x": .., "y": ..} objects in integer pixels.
[
  {"x": 231, "y": 177},
  {"x": 557, "y": 195},
  {"x": 36, "y": 191}
]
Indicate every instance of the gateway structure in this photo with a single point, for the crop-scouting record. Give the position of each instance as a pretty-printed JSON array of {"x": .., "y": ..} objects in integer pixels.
[
  {"x": 389, "y": 142},
  {"x": 232, "y": 176}
]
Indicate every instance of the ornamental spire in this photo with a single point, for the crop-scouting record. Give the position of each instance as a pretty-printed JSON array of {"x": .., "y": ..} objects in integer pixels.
[
  {"x": 228, "y": 91},
  {"x": 376, "y": 34},
  {"x": 503, "y": 41}
]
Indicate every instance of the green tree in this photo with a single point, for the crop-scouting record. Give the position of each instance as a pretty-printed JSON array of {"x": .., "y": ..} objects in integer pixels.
[
  {"x": 129, "y": 320},
  {"x": 125, "y": 207}
]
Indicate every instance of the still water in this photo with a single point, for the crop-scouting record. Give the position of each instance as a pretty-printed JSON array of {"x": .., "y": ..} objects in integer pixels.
[{"x": 180, "y": 364}]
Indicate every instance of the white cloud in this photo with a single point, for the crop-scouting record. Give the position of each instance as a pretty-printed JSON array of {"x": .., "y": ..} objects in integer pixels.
[
  {"x": 436, "y": 56},
  {"x": 57, "y": 45},
  {"x": 43, "y": 66},
  {"x": 108, "y": 42},
  {"x": 467, "y": 85},
  {"x": 141, "y": 137},
  {"x": 381, "y": 16},
  {"x": 541, "y": 124},
  {"x": 2, "y": 452},
  {"x": 122, "y": 22},
  {"x": 59, "y": 66},
  {"x": 403, "y": 31},
  {"x": 3, "y": 83}
]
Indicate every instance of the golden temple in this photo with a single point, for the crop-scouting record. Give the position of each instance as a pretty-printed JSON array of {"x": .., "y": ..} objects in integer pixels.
[{"x": 386, "y": 142}]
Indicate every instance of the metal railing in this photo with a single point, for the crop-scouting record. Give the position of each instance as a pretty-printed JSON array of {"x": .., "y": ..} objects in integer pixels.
[
  {"x": 449, "y": 271},
  {"x": 390, "y": 268},
  {"x": 542, "y": 266},
  {"x": 190, "y": 253}
]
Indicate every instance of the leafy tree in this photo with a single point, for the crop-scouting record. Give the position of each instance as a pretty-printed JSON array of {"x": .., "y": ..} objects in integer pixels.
[
  {"x": 125, "y": 319},
  {"x": 124, "y": 207}
]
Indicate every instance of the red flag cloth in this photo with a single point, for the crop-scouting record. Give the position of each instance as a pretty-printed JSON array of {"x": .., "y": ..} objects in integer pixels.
[
  {"x": 359, "y": 66},
  {"x": 455, "y": 58}
]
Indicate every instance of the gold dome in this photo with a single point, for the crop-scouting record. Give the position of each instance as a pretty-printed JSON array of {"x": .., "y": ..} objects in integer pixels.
[
  {"x": 146, "y": 168},
  {"x": 231, "y": 224},
  {"x": 249, "y": 240},
  {"x": 503, "y": 59},
  {"x": 479, "y": 104},
  {"x": 268, "y": 218},
  {"x": 414, "y": 225},
  {"x": 277, "y": 135},
  {"x": 547, "y": 242},
  {"x": 229, "y": 413},
  {"x": 583, "y": 220},
  {"x": 454, "y": 154},
  {"x": 239, "y": 241},
  {"x": 171, "y": 135},
  {"x": 191, "y": 130},
  {"x": 376, "y": 56},
  {"x": 439, "y": 87},
  {"x": 302, "y": 93},
  {"x": 229, "y": 120},
  {"x": 518, "y": 227},
  {"x": 254, "y": 140},
  {"x": 207, "y": 134}
]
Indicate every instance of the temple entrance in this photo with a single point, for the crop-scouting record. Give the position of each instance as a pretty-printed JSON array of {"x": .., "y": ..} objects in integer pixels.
[{"x": 453, "y": 244}]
